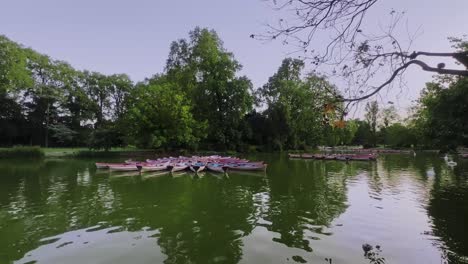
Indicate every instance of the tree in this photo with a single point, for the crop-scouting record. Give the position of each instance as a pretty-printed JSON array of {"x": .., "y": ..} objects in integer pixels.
[
  {"x": 441, "y": 113},
  {"x": 363, "y": 134},
  {"x": 398, "y": 135},
  {"x": 294, "y": 106},
  {"x": 13, "y": 71},
  {"x": 206, "y": 73},
  {"x": 372, "y": 111},
  {"x": 355, "y": 52},
  {"x": 160, "y": 116},
  {"x": 63, "y": 134},
  {"x": 388, "y": 115},
  {"x": 44, "y": 97}
]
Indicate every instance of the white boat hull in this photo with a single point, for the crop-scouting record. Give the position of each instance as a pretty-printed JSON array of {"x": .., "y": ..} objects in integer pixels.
[{"x": 123, "y": 168}]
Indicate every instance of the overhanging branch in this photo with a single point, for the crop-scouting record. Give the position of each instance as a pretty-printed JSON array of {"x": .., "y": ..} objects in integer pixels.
[{"x": 422, "y": 64}]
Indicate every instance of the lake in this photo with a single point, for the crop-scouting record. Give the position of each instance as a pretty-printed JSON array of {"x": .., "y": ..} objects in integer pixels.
[{"x": 410, "y": 209}]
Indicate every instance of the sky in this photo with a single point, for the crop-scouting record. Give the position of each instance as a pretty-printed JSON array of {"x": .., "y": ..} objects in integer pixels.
[{"x": 133, "y": 37}]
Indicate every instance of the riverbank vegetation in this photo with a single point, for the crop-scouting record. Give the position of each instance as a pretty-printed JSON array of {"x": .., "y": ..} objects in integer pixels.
[
  {"x": 21, "y": 152},
  {"x": 200, "y": 101}
]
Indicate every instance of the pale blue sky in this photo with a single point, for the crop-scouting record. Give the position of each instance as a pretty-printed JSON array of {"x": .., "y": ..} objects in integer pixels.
[{"x": 133, "y": 37}]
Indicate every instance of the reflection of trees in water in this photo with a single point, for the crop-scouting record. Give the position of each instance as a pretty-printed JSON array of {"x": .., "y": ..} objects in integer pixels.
[
  {"x": 198, "y": 220},
  {"x": 204, "y": 220},
  {"x": 448, "y": 209},
  {"x": 40, "y": 205},
  {"x": 305, "y": 196}
]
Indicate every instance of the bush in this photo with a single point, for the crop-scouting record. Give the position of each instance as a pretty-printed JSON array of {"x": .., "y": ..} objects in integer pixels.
[
  {"x": 96, "y": 154},
  {"x": 22, "y": 152}
]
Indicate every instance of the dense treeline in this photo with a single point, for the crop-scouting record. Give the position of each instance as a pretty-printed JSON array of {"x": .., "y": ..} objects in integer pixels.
[{"x": 201, "y": 102}]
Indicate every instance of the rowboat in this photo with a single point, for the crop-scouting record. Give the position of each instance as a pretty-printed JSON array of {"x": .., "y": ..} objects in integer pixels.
[
  {"x": 216, "y": 167},
  {"x": 197, "y": 167},
  {"x": 342, "y": 157},
  {"x": 123, "y": 167},
  {"x": 177, "y": 167},
  {"x": 363, "y": 157},
  {"x": 154, "y": 166},
  {"x": 101, "y": 165}
]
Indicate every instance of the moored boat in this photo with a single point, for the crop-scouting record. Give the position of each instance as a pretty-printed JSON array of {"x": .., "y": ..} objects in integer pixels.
[
  {"x": 177, "y": 167},
  {"x": 197, "y": 167},
  {"x": 363, "y": 157},
  {"x": 216, "y": 167},
  {"x": 307, "y": 156},
  {"x": 101, "y": 165},
  {"x": 154, "y": 166}
]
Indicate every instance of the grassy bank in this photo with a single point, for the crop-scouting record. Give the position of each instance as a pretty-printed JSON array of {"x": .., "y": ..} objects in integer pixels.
[
  {"x": 38, "y": 152},
  {"x": 87, "y": 153},
  {"x": 21, "y": 152}
]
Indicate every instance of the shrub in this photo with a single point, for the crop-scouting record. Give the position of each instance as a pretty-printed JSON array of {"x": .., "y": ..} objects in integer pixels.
[{"x": 21, "y": 152}]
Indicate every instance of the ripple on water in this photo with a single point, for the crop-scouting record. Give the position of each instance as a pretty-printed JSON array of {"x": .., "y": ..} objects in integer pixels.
[{"x": 92, "y": 245}]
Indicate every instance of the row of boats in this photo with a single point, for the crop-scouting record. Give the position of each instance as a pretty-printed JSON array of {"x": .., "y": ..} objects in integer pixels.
[
  {"x": 194, "y": 163},
  {"x": 342, "y": 157}
]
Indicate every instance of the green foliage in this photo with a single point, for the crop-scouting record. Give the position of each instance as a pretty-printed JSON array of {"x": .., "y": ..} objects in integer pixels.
[
  {"x": 160, "y": 116},
  {"x": 294, "y": 107},
  {"x": 13, "y": 71},
  {"x": 63, "y": 134},
  {"x": 363, "y": 134},
  {"x": 441, "y": 114},
  {"x": 104, "y": 138},
  {"x": 201, "y": 101},
  {"x": 372, "y": 111},
  {"x": 21, "y": 152},
  {"x": 206, "y": 73},
  {"x": 398, "y": 136}
]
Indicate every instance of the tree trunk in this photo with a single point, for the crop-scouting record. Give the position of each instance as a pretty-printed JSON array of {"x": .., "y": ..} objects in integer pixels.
[{"x": 46, "y": 134}]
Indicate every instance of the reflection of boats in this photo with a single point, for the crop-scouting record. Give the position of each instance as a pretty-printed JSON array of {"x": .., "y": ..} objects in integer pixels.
[
  {"x": 342, "y": 157},
  {"x": 197, "y": 175},
  {"x": 216, "y": 175},
  {"x": 246, "y": 167},
  {"x": 248, "y": 173},
  {"x": 123, "y": 167},
  {"x": 178, "y": 174},
  {"x": 154, "y": 175},
  {"x": 117, "y": 174}
]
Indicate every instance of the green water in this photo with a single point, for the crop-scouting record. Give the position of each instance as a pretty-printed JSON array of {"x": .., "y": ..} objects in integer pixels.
[{"x": 65, "y": 211}]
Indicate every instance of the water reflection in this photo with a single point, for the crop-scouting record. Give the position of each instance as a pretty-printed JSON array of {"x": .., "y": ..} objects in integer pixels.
[{"x": 59, "y": 211}]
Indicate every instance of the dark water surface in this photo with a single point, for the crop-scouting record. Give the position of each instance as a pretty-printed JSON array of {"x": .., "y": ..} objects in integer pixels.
[{"x": 65, "y": 211}]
